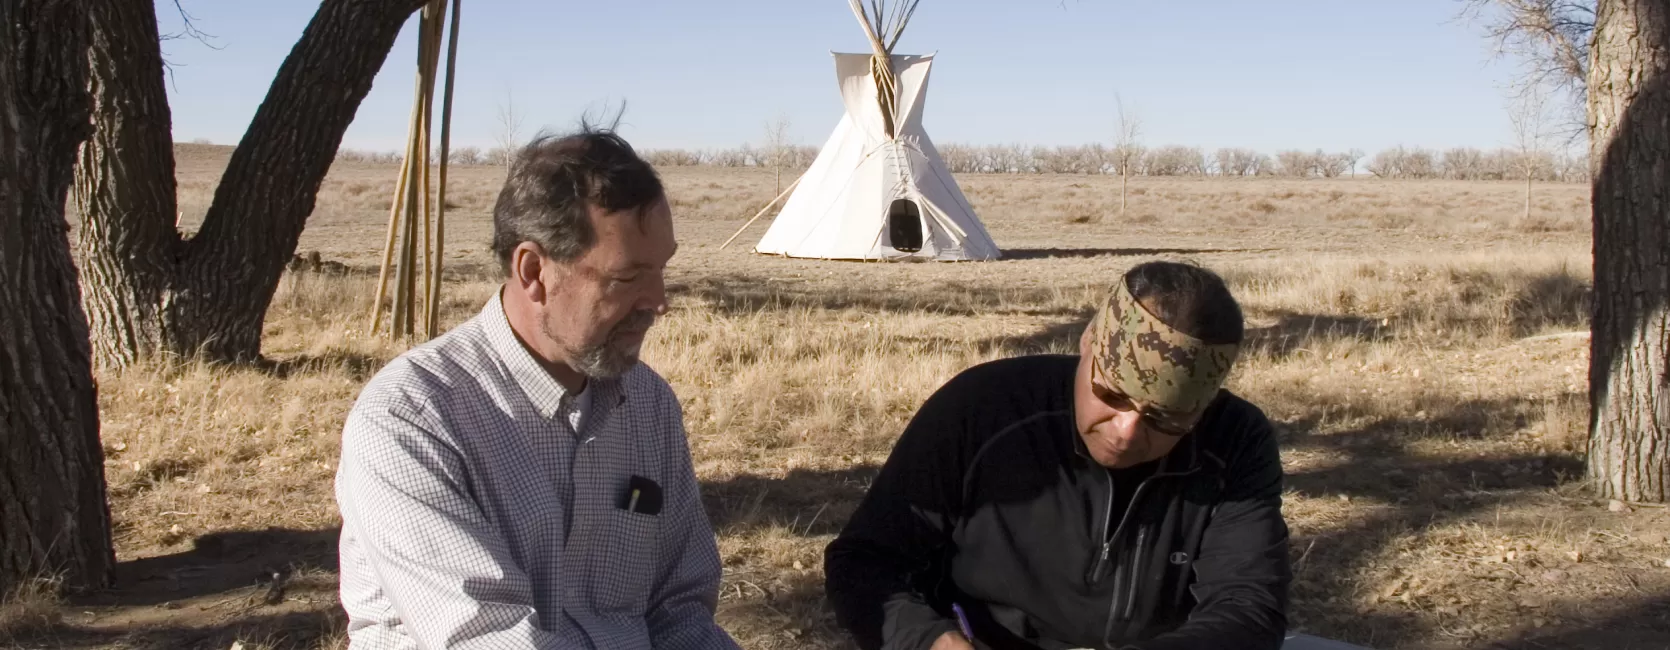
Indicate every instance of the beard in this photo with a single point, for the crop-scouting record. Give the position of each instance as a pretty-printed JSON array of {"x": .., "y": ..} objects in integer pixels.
[{"x": 614, "y": 356}]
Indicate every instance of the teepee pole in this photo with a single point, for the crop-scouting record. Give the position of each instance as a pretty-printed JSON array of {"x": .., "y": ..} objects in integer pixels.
[
  {"x": 869, "y": 30},
  {"x": 762, "y": 212},
  {"x": 881, "y": 68}
]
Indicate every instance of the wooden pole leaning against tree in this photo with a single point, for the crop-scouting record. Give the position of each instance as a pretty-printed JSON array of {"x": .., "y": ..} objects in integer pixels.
[
  {"x": 397, "y": 209},
  {"x": 395, "y": 204},
  {"x": 436, "y": 13},
  {"x": 406, "y": 278},
  {"x": 417, "y": 274},
  {"x": 433, "y": 300}
]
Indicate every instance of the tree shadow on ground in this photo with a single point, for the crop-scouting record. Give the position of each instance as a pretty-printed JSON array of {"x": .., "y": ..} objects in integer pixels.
[
  {"x": 1403, "y": 493},
  {"x": 1643, "y": 625},
  {"x": 808, "y": 502},
  {"x": 1552, "y": 299},
  {"x": 359, "y": 367},
  {"x": 1557, "y": 298},
  {"x": 1382, "y": 437},
  {"x": 780, "y": 610},
  {"x": 275, "y": 587},
  {"x": 302, "y": 630},
  {"x": 1058, "y": 338},
  {"x": 1293, "y": 331},
  {"x": 219, "y": 562}
]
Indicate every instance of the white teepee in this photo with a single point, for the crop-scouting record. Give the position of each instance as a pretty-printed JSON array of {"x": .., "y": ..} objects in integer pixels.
[{"x": 878, "y": 189}]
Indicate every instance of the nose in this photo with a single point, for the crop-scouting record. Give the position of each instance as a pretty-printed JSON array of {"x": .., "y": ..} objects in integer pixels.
[
  {"x": 655, "y": 296},
  {"x": 1124, "y": 426}
]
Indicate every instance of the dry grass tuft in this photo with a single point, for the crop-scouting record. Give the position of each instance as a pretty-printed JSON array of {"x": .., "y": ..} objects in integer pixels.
[{"x": 30, "y": 608}]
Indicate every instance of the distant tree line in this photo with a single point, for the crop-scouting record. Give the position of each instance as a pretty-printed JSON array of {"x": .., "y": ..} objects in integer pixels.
[
  {"x": 1460, "y": 163},
  {"x": 794, "y": 156}
]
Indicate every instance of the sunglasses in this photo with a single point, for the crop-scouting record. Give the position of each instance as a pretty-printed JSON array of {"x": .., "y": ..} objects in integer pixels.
[{"x": 1157, "y": 420}]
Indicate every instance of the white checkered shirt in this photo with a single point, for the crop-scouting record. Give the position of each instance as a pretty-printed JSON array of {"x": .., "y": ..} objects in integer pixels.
[{"x": 476, "y": 517}]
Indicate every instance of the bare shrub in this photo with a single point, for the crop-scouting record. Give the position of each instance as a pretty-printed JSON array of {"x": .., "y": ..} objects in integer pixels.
[
  {"x": 1332, "y": 165},
  {"x": 1242, "y": 162},
  {"x": 673, "y": 157},
  {"x": 1463, "y": 164},
  {"x": 960, "y": 159},
  {"x": 1404, "y": 162},
  {"x": 465, "y": 156},
  {"x": 1175, "y": 160},
  {"x": 1295, "y": 163}
]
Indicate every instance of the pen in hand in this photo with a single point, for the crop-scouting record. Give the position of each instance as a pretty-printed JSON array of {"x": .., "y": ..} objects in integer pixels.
[{"x": 962, "y": 622}]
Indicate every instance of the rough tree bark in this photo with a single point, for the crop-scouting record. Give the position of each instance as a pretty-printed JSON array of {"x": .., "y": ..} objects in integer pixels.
[
  {"x": 151, "y": 289},
  {"x": 1629, "y": 127},
  {"x": 53, "y": 515}
]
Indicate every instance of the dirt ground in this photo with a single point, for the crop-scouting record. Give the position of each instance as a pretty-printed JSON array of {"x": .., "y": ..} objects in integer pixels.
[{"x": 1422, "y": 346}]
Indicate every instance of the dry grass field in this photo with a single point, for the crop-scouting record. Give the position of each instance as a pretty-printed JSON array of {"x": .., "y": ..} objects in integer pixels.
[{"x": 1422, "y": 347}]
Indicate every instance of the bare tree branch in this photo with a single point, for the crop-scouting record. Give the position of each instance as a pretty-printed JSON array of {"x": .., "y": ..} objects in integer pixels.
[
  {"x": 189, "y": 30},
  {"x": 1550, "y": 36}
]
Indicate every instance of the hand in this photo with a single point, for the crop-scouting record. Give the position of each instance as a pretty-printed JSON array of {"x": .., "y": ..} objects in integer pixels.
[{"x": 951, "y": 641}]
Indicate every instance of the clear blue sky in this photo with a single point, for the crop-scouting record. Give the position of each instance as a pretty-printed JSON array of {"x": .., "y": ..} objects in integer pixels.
[{"x": 1329, "y": 74}]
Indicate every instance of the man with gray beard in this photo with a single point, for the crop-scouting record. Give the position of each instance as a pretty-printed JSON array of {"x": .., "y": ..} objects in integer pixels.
[{"x": 523, "y": 481}]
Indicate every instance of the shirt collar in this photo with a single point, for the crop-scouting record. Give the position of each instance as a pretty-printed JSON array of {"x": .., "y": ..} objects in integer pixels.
[{"x": 544, "y": 391}]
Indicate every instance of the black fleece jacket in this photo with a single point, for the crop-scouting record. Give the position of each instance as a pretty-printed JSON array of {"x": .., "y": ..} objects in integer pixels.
[{"x": 990, "y": 501}]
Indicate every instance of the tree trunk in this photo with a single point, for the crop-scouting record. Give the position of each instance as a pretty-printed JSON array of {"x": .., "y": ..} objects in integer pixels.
[
  {"x": 1629, "y": 127},
  {"x": 53, "y": 516},
  {"x": 151, "y": 289},
  {"x": 1527, "y": 215}
]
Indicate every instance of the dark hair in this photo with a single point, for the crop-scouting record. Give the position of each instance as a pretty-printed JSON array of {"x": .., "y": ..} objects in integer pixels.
[
  {"x": 552, "y": 182},
  {"x": 1189, "y": 299}
]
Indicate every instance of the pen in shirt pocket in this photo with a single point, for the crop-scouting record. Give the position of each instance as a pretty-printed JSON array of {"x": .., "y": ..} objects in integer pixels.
[{"x": 642, "y": 496}]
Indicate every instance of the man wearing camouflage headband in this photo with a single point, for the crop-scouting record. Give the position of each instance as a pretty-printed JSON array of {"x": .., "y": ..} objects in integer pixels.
[{"x": 1117, "y": 498}]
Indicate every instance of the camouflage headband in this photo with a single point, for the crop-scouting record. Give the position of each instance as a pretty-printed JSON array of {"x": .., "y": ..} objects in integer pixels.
[{"x": 1156, "y": 366}]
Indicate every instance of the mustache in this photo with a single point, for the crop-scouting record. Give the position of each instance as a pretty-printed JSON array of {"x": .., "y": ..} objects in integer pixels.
[{"x": 638, "y": 320}]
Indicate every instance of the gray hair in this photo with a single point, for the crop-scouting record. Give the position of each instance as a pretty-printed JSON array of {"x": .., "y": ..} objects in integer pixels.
[{"x": 552, "y": 182}]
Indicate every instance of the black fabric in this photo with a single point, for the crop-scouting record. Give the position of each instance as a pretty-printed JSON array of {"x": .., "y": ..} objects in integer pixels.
[{"x": 989, "y": 500}]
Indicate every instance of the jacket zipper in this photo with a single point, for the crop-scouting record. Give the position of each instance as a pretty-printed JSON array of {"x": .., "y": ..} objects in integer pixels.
[
  {"x": 1107, "y": 547},
  {"x": 1114, "y": 610},
  {"x": 1139, "y": 571},
  {"x": 1107, "y": 541}
]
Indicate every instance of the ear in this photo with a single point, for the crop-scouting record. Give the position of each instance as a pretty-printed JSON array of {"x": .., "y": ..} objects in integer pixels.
[{"x": 527, "y": 266}]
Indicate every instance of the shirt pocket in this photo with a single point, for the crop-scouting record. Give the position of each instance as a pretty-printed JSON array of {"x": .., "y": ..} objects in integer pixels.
[{"x": 629, "y": 556}]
